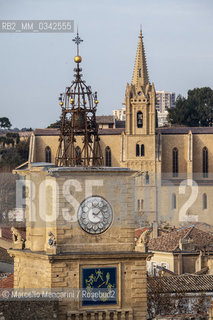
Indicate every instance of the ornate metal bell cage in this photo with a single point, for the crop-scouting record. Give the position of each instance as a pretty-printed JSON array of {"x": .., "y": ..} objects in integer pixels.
[{"x": 79, "y": 143}]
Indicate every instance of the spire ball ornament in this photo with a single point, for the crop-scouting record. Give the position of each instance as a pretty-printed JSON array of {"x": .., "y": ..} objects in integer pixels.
[{"x": 77, "y": 59}]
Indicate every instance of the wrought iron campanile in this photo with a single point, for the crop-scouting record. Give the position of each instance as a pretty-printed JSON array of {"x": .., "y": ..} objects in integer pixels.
[{"x": 79, "y": 143}]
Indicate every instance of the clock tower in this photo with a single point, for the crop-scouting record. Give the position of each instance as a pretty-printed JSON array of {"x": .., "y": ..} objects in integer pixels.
[{"x": 80, "y": 223}]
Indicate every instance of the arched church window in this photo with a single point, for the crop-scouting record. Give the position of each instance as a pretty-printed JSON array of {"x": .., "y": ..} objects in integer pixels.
[
  {"x": 142, "y": 150},
  {"x": 204, "y": 201},
  {"x": 139, "y": 73},
  {"x": 137, "y": 150},
  {"x": 140, "y": 119},
  {"x": 78, "y": 155},
  {"x": 48, "y": 154},
  {"x": 108, "y": 160},
  {"x": 175, "y": 162},
  {"x": 205, "y": 162},
  {"x": 174, "y": 202}
]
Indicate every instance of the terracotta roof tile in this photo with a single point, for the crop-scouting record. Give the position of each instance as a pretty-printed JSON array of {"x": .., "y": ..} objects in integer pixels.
[
  {"x": 202, "y": 271},
  {"x": 166, "y": 270},
  {"x": 56, "y": 132},
  {"x": 121, "y": 124},
  {"x": 113, "y": 131},
  {"x": 138, "y": 232},
  {"x": 105, "y": 119},
  {"x": 4, "y": 256},
  {"x": 7, "y": 282},
  {"x": 170, "y": 241},
  {"x": 47, "y": 132},
  {"x": 185, "y": 130},
  {"x": 6, "y": 233},
  {"x": 203, "y": 226},
  {"x": 182, "y": 283}
]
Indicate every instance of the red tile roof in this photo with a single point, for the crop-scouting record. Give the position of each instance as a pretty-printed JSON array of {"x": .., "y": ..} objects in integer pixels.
[
  {"x": 47, "y": 132},
  {"x": 185, "y": 130},
  {"x": 110, "y": 131},
  {"x": 4, "y": 256},
  {"x": 182, "y": 283},
  {"x": 203, "y": 226},
  {"x": 165, "y": 270},
  {"x": 202, "y": 271},
  {"x": 105, "y": 119},
  {"x": 108, "y": 119},
  {"x": 56, "y": 132},
  {"x": 6, "y": 233},
  {"x": 138, "y": 232},
  {"x": 7, "y": 282},
  {"x": 170, "y": 242}
]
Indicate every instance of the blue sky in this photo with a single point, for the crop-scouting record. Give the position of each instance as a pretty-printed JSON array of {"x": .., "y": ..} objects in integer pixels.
[{"x": 35, "y": 68}]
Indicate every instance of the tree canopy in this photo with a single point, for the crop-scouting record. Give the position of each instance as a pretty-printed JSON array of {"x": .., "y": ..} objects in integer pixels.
[
  {"x": 195, "y": 110},
  {"x": 13, "y": 151},
  {"x": 14, "y": 156},
  {"x": 5, "y": 123},
  {"x": 56, "y": 124}
]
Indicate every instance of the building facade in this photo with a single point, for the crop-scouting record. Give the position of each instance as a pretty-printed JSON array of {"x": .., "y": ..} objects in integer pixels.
[
  {"x": 164, "y": 100},
  {"x": 174, "y": 180},
  {"x": 119, "y": 114}
]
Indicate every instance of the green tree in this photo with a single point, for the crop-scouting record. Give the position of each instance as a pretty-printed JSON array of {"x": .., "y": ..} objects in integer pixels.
[
  {"x": 5, "y": 123},
  {"x": 13, "y": 157},
  {"x": 3, "y": 141},
  {"x": 7, "y": 195},
  {"x": 195, "y": 110},
  {"x": 56, "y": 124},
  {"x": 22, "y": 149},
  {"x": 14, "y": 135}
]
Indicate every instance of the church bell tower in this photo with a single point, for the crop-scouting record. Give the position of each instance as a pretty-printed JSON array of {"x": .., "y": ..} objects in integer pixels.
[
  {"x": 138, "y": 145},
  {"x": 140, "y": 116}
]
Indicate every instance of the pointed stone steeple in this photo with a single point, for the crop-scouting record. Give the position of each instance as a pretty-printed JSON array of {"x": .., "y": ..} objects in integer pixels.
[
  {"x": 140, "y": 75},
  {"x": 140, "y": 99}
]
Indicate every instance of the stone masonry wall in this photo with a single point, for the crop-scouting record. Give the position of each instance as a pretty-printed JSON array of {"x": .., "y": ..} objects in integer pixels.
[{"x": 28, "y": 310}]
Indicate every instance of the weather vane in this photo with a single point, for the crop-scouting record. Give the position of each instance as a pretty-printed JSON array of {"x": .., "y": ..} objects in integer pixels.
[{"x": 77, "y": 41}]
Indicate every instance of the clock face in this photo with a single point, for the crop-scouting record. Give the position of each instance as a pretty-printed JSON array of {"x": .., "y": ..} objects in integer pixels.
[{"x": 95, "y": 215}]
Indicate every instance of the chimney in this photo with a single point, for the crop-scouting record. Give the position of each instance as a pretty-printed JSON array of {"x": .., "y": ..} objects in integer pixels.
[{"x": 155, "y": 229}]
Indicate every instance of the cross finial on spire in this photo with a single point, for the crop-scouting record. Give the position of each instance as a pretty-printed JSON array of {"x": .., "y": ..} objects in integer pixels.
[
  {"x": 140, "y": 36},
  {"x": 140, "y": 74},
  {"x": 77, "y": 41}
]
